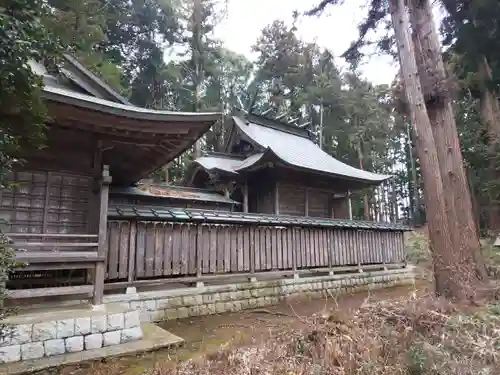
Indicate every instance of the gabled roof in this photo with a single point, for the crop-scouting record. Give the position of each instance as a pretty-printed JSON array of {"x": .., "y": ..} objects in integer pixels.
[
  {"x": 285, "y": 144},
  {"x": 137, "y": 141}
]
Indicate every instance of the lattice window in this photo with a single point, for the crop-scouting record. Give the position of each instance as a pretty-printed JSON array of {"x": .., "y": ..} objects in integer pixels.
[{"x": 46, "y": 202}]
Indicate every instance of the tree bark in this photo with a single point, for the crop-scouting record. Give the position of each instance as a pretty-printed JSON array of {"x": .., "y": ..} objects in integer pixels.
[
  {"x": 458, "y": 200},
  {"x": 446, "y": 277}
]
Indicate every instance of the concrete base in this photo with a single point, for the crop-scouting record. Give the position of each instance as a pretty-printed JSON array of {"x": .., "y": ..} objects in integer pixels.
[{"x": 154, "y": 338}]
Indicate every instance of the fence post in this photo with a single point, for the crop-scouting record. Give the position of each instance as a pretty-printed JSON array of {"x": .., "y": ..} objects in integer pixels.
[{"x": 103, "y": 226}]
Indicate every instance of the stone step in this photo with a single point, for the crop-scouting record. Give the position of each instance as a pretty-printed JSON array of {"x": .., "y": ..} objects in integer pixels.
[
  {"x": 56, "y": 331},
  {"x": 154, "y": 338}
]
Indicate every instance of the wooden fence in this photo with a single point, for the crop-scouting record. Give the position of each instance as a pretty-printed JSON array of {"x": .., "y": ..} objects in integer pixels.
[{"x": 158, "y": 249}]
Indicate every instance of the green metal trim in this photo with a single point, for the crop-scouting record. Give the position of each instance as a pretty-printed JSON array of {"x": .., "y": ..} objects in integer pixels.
[{"x": 226, "y": 217}]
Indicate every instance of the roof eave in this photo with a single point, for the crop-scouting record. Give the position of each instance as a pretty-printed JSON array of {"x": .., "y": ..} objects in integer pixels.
[{"x": 121, "y": 110}]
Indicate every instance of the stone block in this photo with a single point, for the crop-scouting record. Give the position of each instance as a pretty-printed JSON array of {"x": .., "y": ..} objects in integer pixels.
[
  {"x": 149, "y": 305},
  {"x": 54, "y": 347},
  {"x": 93, "y": 341},
  {"x": 21, "y": 334},
  {"x": 188, "y": 301},
  {"x": 32, "y": 350},
  {"x": 74, "y": 344},
  {"x": 132, "y": 319},
  {"x": 203, "y": 310},
  {"x": 131, "y": 334},
  {"x": 219, "y": 307},
  {"x": 162, "y": 304},
  {"x": 176, "y": 302},
  {"x": 98, "y": 324},
  {"x": 111, "y": 338},
  {"x": 83, "y": 326},
  {"x": 44, "y": 331},
  {"x": 211, "y": 308},
  {"x": 11, "y": 353},
  {"x": 170, "y": 314},
  {"x": 182, "y": 312},
  {"x": 65, "y": 328},
  {"x": 193, "y": 310},
  {"x": 115, "y": 322}
]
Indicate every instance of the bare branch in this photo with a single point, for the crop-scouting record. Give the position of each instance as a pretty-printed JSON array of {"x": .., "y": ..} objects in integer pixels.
[{"x": 317, "y": 10}]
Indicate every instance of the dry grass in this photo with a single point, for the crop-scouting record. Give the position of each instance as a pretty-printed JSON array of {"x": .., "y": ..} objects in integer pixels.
[{"x": 415, "y": 336}]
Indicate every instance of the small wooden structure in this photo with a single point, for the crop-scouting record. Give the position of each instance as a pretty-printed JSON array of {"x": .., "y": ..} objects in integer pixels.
[
  {"x": 276, "y": 168},
  {"x": 82, "y": 224}
]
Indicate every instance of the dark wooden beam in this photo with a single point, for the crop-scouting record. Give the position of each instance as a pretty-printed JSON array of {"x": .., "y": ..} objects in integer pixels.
[
  {"x": 276, "y": 199},
  {"x": 306, "y": 203}
]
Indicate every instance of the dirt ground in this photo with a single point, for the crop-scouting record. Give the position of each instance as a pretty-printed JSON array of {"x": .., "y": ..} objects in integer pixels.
[{"x": 205, "y": 335}]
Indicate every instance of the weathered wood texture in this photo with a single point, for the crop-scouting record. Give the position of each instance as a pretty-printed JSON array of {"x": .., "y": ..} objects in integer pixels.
[
  {"x": 167, "y": 249},
  {"x": 178, "y": 203},
  {"x": 46, "y": 202}
]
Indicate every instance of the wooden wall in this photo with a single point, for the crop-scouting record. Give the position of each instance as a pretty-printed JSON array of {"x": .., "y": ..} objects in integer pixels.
[
  {"x": 146, "y": 249},
  {"x": 46, "y": 202},
  {"x": 299, "y": 194}
]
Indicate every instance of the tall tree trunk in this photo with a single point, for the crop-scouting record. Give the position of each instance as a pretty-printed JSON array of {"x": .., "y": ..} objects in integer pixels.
[
  {"x": 458, "y": 201},
  {"x": 366, "y": 204},
  {"x": 197, "y": 51},
  {"x": 490, "y": 116},
  {"x": 446, "y": 280}
]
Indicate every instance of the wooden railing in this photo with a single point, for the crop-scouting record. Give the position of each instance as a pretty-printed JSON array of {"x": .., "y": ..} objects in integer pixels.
[
  {"x": 145, "y": 250},
  {"x": 51, "y": 252}
]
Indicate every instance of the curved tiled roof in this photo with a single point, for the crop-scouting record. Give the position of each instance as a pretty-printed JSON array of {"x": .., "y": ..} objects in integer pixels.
[{"x": 289, "y": 146}]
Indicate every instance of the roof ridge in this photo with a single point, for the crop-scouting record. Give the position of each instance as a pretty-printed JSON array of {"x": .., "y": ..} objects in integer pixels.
[{"x": 277, "y": 125}]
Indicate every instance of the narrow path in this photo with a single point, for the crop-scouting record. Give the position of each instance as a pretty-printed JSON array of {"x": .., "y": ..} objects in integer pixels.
[{"x": 205, "y": 335}]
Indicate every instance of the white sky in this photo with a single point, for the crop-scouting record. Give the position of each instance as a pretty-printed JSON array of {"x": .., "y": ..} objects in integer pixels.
[{"x": 335, "y": 29}]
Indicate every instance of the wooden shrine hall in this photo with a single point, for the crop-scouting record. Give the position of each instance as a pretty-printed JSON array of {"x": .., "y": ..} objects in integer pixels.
[{"x": 85, "y": 222}]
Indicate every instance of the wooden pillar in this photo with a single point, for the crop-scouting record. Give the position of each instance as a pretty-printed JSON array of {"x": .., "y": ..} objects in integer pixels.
[
  {"x": 332, "y": 206},
  {"x": 101, "y": 249},
  {"x": 245, "y": 197},
  {"x": 306, "y": 203},
  {"x": 276, "y": 199},
  {"x": 349, "y": 205}
]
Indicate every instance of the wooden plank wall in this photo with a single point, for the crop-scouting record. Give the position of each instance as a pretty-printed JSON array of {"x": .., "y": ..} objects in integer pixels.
[{"x": 139, "y": 250}]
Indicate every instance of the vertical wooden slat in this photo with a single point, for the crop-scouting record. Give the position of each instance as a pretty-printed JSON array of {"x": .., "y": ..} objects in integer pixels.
[
  {"x": 234, "y": 249},
  {"x": 205, "y": 248},
  {"x": 176, "y": 249},
  {"x": 227, "y": 248},
  {"x": 184, "y": 248},
  {"x": 150, "y": 249},
  {"x": 221, "y": 239},
  {"x": 199, "y": 250},
  {"x": 113, "y": 246},
  {"x": 141, "y": 249},
  {"x": 293, "y": 246},
  {"x": 263, "y": 248},
  {"x": 303, "y": 247},
  {"x": 168, "y": 246},
  {"x": 252, "y": 234},
  {"x": 192, "y": 257},
  {"x": 269, "y": 258},
  {"x": 213, "y": 248},
  {"x": 159, "y": 239},
  {"x": 132, "y": 251},
  {"x": 124, "y": 250},
  {"x": 279, "y": 248}
]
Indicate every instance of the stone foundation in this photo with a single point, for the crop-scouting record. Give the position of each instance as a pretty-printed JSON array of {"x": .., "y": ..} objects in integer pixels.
[
  {"x": 169, "y": 304},
  {"x": 49, "y": 333}
]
